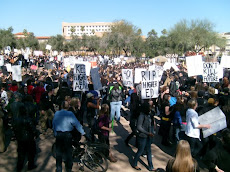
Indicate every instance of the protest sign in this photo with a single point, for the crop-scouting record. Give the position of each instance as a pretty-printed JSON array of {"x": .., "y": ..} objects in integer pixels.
[
  {"x": 210, "y": 72},
  {"x": 159, "y": 70},
  {"x": 225, "y": 61},
  {"x": 8, "y": 67},
  {"x": 80, "y": 82},
  {"x": 55, "y": 53},
  {"x": 38, "y": 53},
  {"x": 220, "y": 72},
  {"x": 137, "y": 76},
  {"x": 215, "y": 118},
  {"x": 152, "y": 67},
  {"x": 96, "y": 79},
  {"x": 1, "y": 60},
  {"x": 48, "y": 47},
  {"x": 17, "y": 73},
  {"x": 194, "y": 65},
  {"x": 127, "y": 77},
  {"x": 149, "y": 84}
]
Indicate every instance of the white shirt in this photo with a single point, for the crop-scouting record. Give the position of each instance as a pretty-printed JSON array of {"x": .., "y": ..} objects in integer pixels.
[
  {"x": 5, "y": 97},
  {"x": 192, "y": 124}
]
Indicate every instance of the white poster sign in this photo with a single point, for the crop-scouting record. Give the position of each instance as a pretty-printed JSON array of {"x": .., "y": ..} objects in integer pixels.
[
  {"x": 152, "y": 67},
  {"x": 127, "y": 77},
  {"x": 210, "y": 72},
  {"x": 137, "y": 78},
  {"x": 194, "y": 65},
  {"x": 1, "y": 60},
  {"x": 8, "y": 67},
  {"x": 80, "y": 82},
  {"x": 55, "y": 53},
  {"x": 17, "y": 73},
  {"x": 48, "y": 47},
  {"x": 159, "y": 70},
  {"x": 225, "y": 61},
  {"x": 38, "y": 53},
  {"x": 215, "y": 118},
  {"x": 149, "y": 84}
]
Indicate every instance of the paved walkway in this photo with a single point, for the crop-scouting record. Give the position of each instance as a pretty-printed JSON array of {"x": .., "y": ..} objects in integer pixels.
[{"x": 124, "y": 154}]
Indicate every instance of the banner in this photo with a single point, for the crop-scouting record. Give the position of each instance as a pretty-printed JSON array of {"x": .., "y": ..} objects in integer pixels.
[
  {"x": 210, "y": 72},
  {"x": 127, "y": 77},
  {"x": 80, "y": 82},
  {"x": 96, "y": 79},
  {"x": 149, "y": 84},
  {"x": 17, "y": 73},
  {"x": 215, "y": 118},
  {"x": 194, "y": 65}
]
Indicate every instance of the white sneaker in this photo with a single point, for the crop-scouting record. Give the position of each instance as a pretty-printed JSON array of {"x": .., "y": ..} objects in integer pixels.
[{"x": 145, "y": 156}]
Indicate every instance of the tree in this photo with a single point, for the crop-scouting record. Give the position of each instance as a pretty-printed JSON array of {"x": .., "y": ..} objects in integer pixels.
[
  {"x": 57, "y": 42},
  {"x": 122, "y": 36},
  {"x": 194, "y": 35},
  {"x": 72, "y": 30},
  {"x": 93, "y": 44},
  {"x": 82, "y": 28},
  {"x": 151, "y": 44},
  {"x": 7, "y": 38}
]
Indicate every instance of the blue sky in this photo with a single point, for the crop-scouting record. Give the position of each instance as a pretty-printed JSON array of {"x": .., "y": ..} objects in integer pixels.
[{"x": 44, "y": 17}]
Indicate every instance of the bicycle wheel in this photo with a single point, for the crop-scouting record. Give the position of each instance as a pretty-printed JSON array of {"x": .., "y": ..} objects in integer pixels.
[{"x": 95, "y": 161}]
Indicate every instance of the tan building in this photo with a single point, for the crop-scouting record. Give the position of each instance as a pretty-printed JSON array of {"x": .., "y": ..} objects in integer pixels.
[
  {"x": 89, "y": 29},
  {"x": 216, "y": 51}
]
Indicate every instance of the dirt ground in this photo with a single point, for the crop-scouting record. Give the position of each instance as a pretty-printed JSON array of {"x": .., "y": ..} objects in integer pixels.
[{"x": 124, "y": 154}]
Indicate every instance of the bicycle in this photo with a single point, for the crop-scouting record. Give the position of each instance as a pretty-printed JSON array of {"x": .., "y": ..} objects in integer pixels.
[{"x": 88, "y": 154}]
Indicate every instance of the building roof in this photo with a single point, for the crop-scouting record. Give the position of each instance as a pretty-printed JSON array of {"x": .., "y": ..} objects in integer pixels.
[{"x": 43, "y": 37}]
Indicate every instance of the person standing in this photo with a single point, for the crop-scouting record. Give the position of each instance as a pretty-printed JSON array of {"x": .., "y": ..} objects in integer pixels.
[
  {"x": 116, "y": 102},
  {"x": 193, "y": 127},
  {"x": 64, "y": 122},
  {"x": 144, "y": 136},
  {"x": 25, "y": 133}
]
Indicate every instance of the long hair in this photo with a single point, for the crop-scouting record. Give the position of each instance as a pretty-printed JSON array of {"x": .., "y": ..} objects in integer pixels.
[
  {"x": 184, "y": 161},
  {"x": 104, "y": 110}
]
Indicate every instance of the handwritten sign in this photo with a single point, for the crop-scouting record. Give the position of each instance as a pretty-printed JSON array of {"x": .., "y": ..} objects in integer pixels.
[
  {"x": 127, "y": 77},
  {"x": 80, "y": 82},
  {"x": 138, "y": 74},
  {"x": 194, "y": 65},
  {"x": 96, "y": 79},
  {"x": 48, "y": 47},
  {"x": 17, "y": 73},
  {"x": 210, "y": 72},
  {"x": 215, "y": 118},
  {"x": 149, "y": 84}
]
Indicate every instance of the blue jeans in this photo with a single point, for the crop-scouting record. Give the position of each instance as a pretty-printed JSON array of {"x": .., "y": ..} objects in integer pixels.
[
  {"x": 143, "y": 143},
  {"x": 115, "y": 107}
]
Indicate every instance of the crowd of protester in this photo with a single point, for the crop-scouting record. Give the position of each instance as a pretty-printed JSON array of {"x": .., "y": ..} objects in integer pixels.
[{"x": 45, "y": 96}]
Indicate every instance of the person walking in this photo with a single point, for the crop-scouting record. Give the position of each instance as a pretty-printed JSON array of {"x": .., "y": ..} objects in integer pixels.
[
  {"x": 144, "y": 136},
  {"x": 64, "y": 122}
]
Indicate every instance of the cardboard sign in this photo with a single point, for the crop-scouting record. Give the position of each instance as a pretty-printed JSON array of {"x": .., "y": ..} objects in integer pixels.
[
  {"x": 159, "y": 70},
  {"x": 215, "y": 118},
  {"x": 225, "y": 61},
  {"x": 194, "y": 65},
  {"x": 17, "y": 73},
  {"x": 80, "y": 82},
  {"x": 210, "y": 72},
  {"x": 127, "y": 77},
  {"x": 96, "y": 79},
  {"x": 38, "y": 53},
  {"x": 137, "y": 78},
  {"x": 149, "y": 84}
]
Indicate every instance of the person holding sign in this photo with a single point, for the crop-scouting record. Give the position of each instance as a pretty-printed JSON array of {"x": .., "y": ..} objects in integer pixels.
[{"x": 193, "y": 127}]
